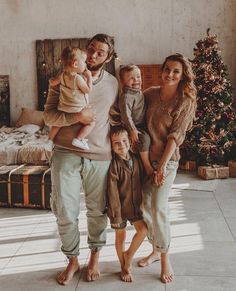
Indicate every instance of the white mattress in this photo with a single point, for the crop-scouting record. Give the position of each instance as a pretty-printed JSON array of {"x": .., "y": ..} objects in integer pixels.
[{"x": 19, "y": 148}]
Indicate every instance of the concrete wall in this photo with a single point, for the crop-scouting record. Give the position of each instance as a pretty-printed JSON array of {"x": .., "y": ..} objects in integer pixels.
[{"x": 145, "y": 31}]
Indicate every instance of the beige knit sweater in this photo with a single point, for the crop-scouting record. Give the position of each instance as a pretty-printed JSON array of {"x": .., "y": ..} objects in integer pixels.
[{"x": 165, "y": 120}]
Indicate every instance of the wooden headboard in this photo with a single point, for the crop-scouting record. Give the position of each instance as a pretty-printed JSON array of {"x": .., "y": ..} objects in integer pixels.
[
  {"x": 48, "y": 53},
  {"x": 151, "y": 75}
]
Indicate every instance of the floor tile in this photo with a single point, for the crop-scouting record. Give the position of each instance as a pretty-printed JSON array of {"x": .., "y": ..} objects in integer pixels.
[
  {"x": 203, "y": 246},
  {"x": 196, "y": 283},
  {"x": 205, "y": 259},
  {"x": 35, "y": 281},
  {"x": 190, "y": 181}
]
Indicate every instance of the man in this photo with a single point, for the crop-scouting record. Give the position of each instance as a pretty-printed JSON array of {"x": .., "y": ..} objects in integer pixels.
[{"x": 72, "y": 167}]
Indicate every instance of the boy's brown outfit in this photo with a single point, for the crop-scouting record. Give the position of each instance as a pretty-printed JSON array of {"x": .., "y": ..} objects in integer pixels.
[{"x": 125, "y": 189}]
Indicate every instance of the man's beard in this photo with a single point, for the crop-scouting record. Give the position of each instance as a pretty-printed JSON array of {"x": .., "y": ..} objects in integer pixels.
[{"x": 95, "y": 68}]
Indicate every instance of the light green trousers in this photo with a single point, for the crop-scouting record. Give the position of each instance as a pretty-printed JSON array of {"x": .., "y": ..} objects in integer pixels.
[
  {"x": 69, "y": 172},
  {"x": 156, "y": 209}
]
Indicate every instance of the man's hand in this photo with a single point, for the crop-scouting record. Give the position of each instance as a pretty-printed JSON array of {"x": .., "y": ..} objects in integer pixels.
[
  {"x": 55, "y": 81},
  {"x": 134, "y": 136},
  {"x": 87, "y": 115}
]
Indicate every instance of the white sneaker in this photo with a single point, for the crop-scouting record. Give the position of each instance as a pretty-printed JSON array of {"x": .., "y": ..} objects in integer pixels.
[
  {"x": 50, "y": 143},
  {"x": 80, "y": 143}
]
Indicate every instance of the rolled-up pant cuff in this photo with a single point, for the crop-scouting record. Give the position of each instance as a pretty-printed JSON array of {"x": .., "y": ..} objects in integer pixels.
[
  {"x": 162, "y": 249},
  {"x": 95, "y": 249}
]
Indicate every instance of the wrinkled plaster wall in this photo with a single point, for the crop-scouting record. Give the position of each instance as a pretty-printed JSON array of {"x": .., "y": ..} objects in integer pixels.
[{"x": 145, "y": 31}]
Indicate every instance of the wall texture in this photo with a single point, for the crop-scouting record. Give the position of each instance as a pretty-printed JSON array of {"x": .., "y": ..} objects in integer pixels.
[{"x": 145, "y": 31}]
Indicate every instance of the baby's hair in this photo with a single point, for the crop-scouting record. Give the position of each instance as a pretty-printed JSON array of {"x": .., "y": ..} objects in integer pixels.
[
  {"x": 126, "y": 68},
  {"x": 70, "y": 54},
  {"x": 118, "y": 129}
]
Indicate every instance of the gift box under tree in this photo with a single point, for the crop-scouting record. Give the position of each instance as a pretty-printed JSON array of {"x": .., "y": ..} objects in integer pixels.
[
  {"x": 213, "y": 172},
  {"x": 188, "y": 165},
  {"x": 232, "y": 169}
]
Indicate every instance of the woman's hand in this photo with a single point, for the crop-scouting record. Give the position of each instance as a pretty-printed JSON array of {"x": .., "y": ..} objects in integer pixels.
[
  {"x": 87, "y": 115},
  {"x": 160, "y": 175}
]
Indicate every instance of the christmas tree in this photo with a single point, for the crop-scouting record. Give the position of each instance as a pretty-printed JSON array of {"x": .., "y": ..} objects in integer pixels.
[{"x": 212, "y": 139}]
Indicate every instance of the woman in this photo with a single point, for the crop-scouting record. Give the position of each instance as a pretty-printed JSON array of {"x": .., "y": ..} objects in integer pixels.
[{"x": 170, "y": 113}]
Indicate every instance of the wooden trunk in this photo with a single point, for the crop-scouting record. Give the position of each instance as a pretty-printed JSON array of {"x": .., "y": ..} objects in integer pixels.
[{"x": 25, "y": 186}]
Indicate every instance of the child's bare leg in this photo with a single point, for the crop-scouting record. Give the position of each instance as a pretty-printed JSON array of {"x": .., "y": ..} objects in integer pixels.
[
  {"x": 141, "y": 232},
  {"x": 167, "y": 274},
  {"x": 65, "y": 277},
  {"x": 151, "y": 258},
  {"x": 85, "y": 130},
  {"x": 120, "y": 249},
  {"x": 120, "y": 244},
  {"x": 53, "y": 132},
  {"x": 146, "y": 163}
]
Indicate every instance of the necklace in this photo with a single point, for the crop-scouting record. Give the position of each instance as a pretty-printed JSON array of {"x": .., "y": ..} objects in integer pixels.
[
  {"x": 165, "y": 105},
  {"x": 99, "y": 77}
]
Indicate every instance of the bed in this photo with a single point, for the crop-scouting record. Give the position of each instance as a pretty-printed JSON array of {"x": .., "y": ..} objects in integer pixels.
[
  {"x": 21, "y": 147},
  {"x": 27, "y": 142}
]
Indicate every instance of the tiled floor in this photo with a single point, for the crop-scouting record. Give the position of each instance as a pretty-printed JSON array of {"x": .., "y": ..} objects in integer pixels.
[{"x": 203, "y": 251}]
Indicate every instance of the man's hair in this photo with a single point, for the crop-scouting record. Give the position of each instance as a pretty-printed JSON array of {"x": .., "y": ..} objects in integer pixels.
[
  {"x": 118, "y": 129},
  {"x": 104, "y": 38},
  {"x": 125, "y": 69},
  {"x": 71, "y": 54}
]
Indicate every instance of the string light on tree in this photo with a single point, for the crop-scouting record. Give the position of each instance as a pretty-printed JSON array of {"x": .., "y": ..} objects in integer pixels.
[{"x": 212, "y": 139}]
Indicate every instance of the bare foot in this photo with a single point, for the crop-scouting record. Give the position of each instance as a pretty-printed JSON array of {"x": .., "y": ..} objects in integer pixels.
[
  {"x": 126, "y": 276},
  {"x": 153, "y": 257},
  {"x": 93, "y": 272},
  {"x": 65, "y": 277},
  {"x": 167, "y": 274},
  {"x": 127, "y": 262}
]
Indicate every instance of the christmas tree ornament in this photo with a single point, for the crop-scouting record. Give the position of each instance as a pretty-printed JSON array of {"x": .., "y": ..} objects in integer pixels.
[{"x": 212, "y": 139}]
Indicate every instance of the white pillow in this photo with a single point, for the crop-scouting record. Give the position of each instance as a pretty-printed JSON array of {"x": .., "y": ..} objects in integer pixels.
[{"x": 29, "y": 128}]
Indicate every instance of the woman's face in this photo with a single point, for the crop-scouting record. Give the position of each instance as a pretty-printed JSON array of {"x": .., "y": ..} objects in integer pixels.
[{"x": 172, "y": 73}]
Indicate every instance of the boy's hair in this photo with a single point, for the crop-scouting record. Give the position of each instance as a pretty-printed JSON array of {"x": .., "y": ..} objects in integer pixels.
[
  {"x": 125, "y": 69},
  {"x": 70, "y": 54},
  {"x": 104, "y": 38},
  {"x": 118, "y": 129}
]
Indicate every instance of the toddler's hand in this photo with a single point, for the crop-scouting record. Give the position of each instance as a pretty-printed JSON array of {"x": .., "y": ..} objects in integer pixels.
[{"x": 87, "y": 73}]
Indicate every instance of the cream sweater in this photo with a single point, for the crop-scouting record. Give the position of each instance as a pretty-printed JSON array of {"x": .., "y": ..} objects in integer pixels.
[{"x": 102, "y": 97}]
